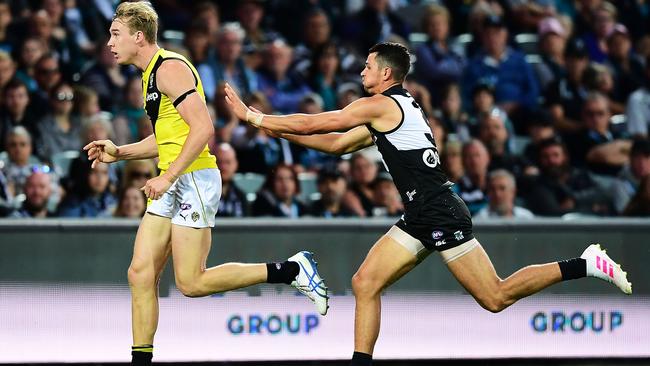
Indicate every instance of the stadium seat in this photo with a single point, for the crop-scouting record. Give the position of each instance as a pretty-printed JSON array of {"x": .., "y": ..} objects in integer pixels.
[
  {"x": 308, "y": 187},
  {"x": 527, "y": 43},
  {"x": 62, "y": 160},
  {"x": 250, "y": 183}
]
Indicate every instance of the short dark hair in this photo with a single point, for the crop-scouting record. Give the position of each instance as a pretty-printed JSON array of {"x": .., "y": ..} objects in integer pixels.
[
  {"x": 552, "y": 141},
  {"x": 395, "y": 56}
]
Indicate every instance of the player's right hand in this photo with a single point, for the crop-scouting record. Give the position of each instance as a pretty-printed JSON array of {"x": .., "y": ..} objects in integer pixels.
[{"x": 101, "y": 151}]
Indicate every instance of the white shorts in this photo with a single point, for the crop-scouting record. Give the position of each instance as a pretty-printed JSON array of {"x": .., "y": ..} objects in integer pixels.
[{"x": 192, "y": 200}]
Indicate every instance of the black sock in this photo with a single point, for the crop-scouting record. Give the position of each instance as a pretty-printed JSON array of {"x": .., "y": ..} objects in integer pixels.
[
  {"x": 284, "y": 272},
  {"x": 573, "y": 268},
  {"x": 361, "y": 359},
  {"x": 142, "y": 354}
]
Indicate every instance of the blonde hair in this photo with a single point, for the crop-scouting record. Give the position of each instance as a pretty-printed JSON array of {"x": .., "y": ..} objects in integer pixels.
[
  {"x": 139, "y": 17},
  {"x": 431, "y": 11}
]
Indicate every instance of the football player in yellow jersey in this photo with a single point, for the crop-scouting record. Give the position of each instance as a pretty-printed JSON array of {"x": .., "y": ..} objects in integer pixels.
[{"x": 183, "y": 199}]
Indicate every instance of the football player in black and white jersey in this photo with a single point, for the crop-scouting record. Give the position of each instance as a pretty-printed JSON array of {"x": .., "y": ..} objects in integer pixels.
[{"x": 435, "y": 218}]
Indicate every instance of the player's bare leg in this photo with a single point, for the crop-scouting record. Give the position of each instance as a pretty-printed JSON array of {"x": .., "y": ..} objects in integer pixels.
[
  {"x": 150, "y": 253},
  {"x": 476, "y": 274},
  {"x": 190, "y": 252},
  {"x": 386, "y": 262}
]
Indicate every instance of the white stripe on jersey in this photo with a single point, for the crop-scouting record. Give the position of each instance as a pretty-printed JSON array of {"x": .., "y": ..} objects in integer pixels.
[{"x": 411, "y": 134}]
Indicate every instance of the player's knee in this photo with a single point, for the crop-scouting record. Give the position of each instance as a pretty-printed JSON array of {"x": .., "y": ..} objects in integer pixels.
[
  {"x": 140, "y": 276},
  {"x": 364, "y": 285}
]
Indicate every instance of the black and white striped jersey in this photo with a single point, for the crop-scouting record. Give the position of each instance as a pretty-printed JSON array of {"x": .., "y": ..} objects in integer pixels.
[{"x": 409, "y": 152}]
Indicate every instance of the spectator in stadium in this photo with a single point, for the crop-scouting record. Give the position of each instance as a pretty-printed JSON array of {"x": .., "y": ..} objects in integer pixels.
[
  {"x": 598, "y": 78},
  {"x": 92, "y": 197},
  {"x": 452, "y": 160},
  {"x": 7, "y": 38},
  {"x": 386, "y": 198},
  {"x": 639, "y": 205},
  {"x": 552, "y": 44},
  {"x": 59, "y": 130},
  {"x": 283, "y": 87},
  {"x": 325, "y": 74},
  {"x": 233, "y": 202},
  {"x": 250, "y": 14},
  {"x": 31, "y": 50},
  {"x": 332, "y": 187},
  {"x": 540, "y": 128},
  {"x": 600, "y": 148},
  {"x": 60, "y": 43},
  {"x": 38, "y": 189},
  {"x": 495, "y": 136},
  {"x": 207, "y": 13},
  {"x": 359, "y": 197},
  {"x": 515, "y": 84},
  {"x": 202, "y": 54},
  {"x": 316, "y": 34},
  {"x": 451, "y": 114},
  {"x": 230, "y": 64},
  {"x": 347, "y": 93},
  {"x": 279, "y": 195},
  {"x": 638, "y": 106},
  {"x": 626, "y": 68},
  {"x": 472, "y": 187},
  {"x": 15, "y": 111},
  {"x": 6, "y": 199},
  {"x": 564, "y": 97},
  {"x": 257, "y": 152},
  {"x": 20, "y": 162},
  {"x": 437, "y": 65},
  {"x": 7, "y": 69},
  {"x": 502, "y": 191},
  {"x": 105, "y": 77},
  {"x": 482, "y": 104},
  {"x": 627, "y": 183},
  {"x": 129, "y": 112},
  {"x": 86, "y": 103},
  {"x": 132, "y": 203},
  {"x": 561, "y": 188},
  {"x": 47, "y": 75},
  {"x": 138, "y": 172},
  {"x": 601, "y": 25},
  {"x": 373, "y": 24}
]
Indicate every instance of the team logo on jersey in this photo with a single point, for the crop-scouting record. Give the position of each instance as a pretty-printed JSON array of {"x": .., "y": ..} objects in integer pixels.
[
  {"x": 431, "y": 158},
  {"x": 195, "y": 216},
  {"x": 437, "y": 234},
  {"x": 411, "y": 194},
  {"x": 152, "y": 96}
]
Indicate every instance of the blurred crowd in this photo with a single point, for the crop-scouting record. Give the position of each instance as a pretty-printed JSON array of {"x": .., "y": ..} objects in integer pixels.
[{"x": 538, "y": 107}]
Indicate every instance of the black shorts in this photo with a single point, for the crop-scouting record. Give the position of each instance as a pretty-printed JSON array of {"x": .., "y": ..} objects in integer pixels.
[{"x": 441, "y": 223}]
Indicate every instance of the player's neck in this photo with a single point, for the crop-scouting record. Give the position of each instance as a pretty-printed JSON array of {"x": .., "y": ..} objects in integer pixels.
[
  {"x": 144, "y": 56},
  {"x": 387, "y": 85}
]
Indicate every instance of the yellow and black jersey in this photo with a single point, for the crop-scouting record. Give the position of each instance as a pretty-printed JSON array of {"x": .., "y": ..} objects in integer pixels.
[{"x": 168, "y": 126}]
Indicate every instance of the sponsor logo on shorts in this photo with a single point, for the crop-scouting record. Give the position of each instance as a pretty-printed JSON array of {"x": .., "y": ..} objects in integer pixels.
[
  {"x": 458, "y": 235},
  {"x": 183, "y": 216},
  {"x": 437, "y": 234},
  {"x": 441, "y": 242},
  {"x": 195, "y": 216},
  {"x": 185, "y": 206}
]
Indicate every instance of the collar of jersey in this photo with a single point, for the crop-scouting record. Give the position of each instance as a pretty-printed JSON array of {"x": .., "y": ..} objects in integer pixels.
[{"x": 153, "y": 61}]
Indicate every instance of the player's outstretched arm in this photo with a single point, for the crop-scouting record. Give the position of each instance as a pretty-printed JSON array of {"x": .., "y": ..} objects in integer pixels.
[
  {"x": 105, "y": 151},
  {"x": 334, "y": 143},
  {"x": 359, "y": 112},
  {"x": 176, "y": 81}
]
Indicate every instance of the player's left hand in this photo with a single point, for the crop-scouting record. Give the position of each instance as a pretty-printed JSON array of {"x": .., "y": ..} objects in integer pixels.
[
  {"x": 156, "y": 187},
  {"x": 235, "y": 103}
]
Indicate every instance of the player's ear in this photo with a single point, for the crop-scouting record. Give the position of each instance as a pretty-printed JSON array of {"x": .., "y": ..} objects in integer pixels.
[
  {"x": 139, "y": 37},
  {"x": 387, "y": 73}
]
